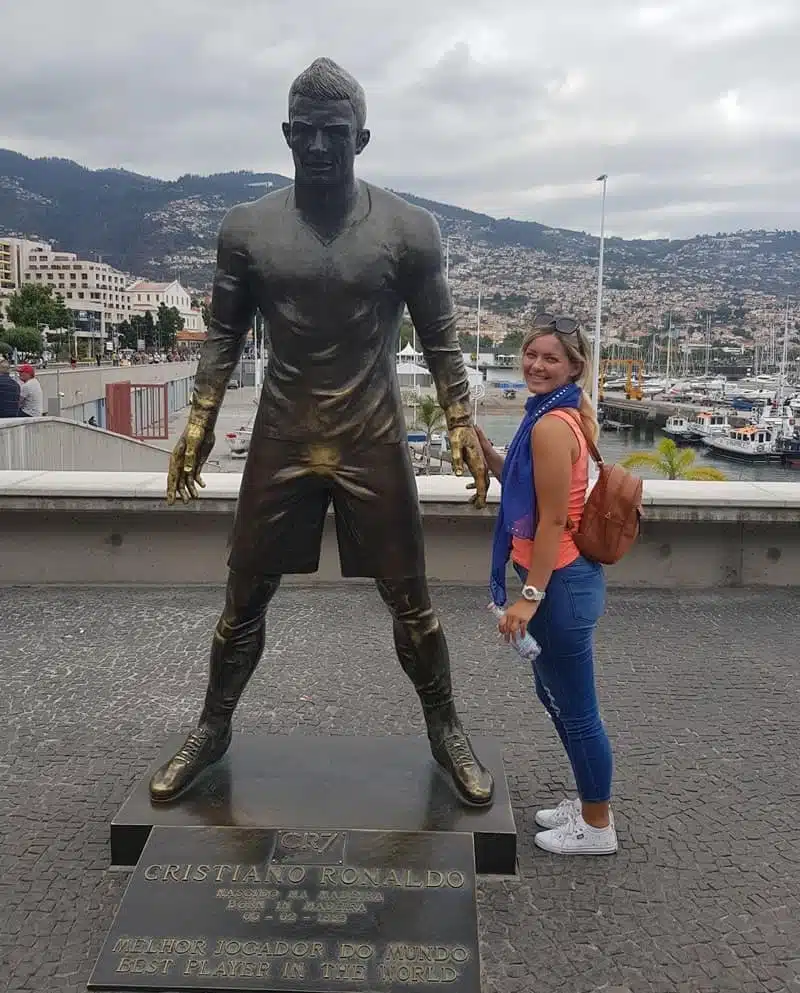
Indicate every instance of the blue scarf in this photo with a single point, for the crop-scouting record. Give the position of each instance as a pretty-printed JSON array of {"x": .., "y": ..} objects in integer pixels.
[{"x": 517, "y": 515}]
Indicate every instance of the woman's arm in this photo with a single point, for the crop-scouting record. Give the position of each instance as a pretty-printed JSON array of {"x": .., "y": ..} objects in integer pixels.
[
  {"x": 494, "y": 460},
  {"x": 554, "y": 448}
]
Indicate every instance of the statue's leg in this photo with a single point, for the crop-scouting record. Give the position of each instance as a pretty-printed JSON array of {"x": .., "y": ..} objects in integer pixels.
[
  {"x": 422, "y": 650},
  {"x": 236, "y": 647}
]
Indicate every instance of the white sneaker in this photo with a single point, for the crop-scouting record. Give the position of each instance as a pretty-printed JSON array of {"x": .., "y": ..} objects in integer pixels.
[
  {"x": 553, "y": 817},
  {"x": 576, "y": 837}
]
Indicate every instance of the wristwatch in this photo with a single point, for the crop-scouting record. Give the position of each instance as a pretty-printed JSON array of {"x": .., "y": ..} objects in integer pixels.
[{"x": 531, "y": 593}]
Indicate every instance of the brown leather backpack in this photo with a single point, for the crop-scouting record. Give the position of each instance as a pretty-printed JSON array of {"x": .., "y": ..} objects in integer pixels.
[{"x": 612, "y": 516}]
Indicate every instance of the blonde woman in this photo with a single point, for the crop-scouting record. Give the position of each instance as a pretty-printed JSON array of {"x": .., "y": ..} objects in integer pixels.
[{"x": 544, "y": 478}]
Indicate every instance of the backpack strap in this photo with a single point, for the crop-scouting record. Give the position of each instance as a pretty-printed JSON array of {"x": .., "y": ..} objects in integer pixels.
[
  {"x": 571, "y": 527},
  {"x": 593, "y": 451}
]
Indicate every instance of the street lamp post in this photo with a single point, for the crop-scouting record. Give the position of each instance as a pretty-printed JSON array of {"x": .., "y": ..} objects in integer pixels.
[
  {"x": 477, "y": 357},
  {"x": 599, "y": 316}
]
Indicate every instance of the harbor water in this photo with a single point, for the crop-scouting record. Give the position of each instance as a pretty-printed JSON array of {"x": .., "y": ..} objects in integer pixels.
[{"x": 615, "y": 446}]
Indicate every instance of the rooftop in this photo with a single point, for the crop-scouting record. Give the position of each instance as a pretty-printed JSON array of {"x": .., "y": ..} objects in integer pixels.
[
  {"x": 699, "y": 691},
  {"x": 147, "y": 286}
]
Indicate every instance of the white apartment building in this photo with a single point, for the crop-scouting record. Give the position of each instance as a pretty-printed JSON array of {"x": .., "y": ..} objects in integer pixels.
[
  {"x": 12, "y": 264},
  {"x": 148, "y": 296},
  {"x": 93, "y": 291}
]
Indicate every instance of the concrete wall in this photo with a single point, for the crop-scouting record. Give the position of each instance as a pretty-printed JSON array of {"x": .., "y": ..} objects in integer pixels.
[
  {"x": 116, "y": 528},
  {"x": 86, "y": 385},
  {"x": 54, "y": 443}
]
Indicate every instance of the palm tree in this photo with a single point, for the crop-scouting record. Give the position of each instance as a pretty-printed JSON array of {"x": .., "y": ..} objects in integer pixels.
[
  {"x": 431, "y": 416},
  {"x": 673, "y": 463}
]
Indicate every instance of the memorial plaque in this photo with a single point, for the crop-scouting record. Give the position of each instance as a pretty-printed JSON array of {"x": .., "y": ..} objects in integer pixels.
[
  {"x": 326, "y": 781},
  {"x": 296, "y": 911}
]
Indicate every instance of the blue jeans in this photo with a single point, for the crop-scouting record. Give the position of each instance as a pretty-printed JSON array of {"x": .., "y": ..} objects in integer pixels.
[{"x": 564, "y": 672}]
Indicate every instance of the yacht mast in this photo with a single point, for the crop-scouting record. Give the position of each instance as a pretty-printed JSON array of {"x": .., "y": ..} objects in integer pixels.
[
  {"x": 784, "y": 356},
  {"x": 669, "y": 348}
]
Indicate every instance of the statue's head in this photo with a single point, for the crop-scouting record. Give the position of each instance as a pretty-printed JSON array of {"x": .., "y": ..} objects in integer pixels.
[{"x": 325, "y": 130}]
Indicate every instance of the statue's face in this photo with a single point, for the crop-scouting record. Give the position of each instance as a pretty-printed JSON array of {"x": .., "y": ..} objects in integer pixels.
[{"x": 324, "y": 139}]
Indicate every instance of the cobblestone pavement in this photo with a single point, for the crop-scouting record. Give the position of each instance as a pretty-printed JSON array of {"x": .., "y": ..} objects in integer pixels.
[{"x": 700, "y": 695}]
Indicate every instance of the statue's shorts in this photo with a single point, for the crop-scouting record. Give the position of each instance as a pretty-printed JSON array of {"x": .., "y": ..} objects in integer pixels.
[{"x": 286, "y": 490}]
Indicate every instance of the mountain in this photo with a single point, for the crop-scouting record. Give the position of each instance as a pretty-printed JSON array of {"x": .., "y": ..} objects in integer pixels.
[{"x": 158, "y": 228}]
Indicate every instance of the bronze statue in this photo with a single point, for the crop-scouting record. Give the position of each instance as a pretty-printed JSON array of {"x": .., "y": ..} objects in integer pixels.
[{"x": 330, "y": 262}]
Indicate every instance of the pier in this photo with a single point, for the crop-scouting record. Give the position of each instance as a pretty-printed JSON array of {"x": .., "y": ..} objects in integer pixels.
[{"x": 642, "y": 413}]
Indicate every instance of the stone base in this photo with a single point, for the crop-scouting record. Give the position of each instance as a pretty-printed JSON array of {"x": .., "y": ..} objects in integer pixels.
[
  {"x": 223, "y": 909},
  {"x": 326, "y": 782}
]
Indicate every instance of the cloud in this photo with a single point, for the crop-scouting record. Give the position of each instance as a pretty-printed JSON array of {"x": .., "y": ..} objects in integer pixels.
[{"x": 509, "y": 106}]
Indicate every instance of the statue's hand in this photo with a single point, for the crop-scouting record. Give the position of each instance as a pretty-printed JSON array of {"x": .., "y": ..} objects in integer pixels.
[
  {"x": 465, "y": 448},
  {"x": 188, "y": 458}
]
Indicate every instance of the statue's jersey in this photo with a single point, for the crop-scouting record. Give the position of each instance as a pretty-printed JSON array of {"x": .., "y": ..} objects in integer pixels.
[{"x": 333, "y": 308}]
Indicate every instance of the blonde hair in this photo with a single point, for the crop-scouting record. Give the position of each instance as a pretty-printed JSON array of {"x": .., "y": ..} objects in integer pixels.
[{"x": 579, "y": 352}]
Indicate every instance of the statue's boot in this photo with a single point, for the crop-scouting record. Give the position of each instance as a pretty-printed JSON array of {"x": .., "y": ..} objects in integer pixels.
[
  {"x": 235, "y": 652},
  {"x": 452, "y": 749},
  {"x": 425, "y": 659}
]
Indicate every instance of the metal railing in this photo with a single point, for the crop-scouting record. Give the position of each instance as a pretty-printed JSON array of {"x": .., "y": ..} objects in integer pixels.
[
  {"x": 150, "y": 409},
  {"x": 139, "y": 410}
]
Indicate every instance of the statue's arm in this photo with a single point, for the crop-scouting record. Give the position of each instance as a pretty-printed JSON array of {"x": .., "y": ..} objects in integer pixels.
[
  {"x": 431, "y": 308},
  {"x": 231, "y": 316},
  {"x": 232, "y": 312}
]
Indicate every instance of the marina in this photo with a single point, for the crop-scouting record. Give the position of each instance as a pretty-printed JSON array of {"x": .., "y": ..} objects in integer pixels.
[
  {"x": 614, "y": 446},
  {"x": 500, "y": 418}
]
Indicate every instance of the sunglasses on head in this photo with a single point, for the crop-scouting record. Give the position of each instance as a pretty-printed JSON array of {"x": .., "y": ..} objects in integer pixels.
[{"x": 561, "y": 324}]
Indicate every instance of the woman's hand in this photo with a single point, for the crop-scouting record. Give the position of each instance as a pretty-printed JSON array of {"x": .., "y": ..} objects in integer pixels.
[
  {"x": 514, "y": 622},
  {"x": 486, "y": 446},
  {"x": 494, "y": 460}
]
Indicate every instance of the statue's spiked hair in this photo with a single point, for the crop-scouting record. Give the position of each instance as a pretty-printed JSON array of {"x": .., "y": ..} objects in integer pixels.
[{"x": 325, "y": 80}]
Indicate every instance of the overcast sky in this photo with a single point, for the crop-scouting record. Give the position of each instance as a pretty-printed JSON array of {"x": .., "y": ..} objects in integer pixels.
[{"x": 511, "y": 107}]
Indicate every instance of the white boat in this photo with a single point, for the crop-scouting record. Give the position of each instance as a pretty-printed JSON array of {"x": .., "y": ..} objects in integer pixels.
[
  {"x": 678, "y": 428},
  {"x": 239, "y": 442},
  {"x": 418, "y": 436},
  {"x": 653, "y": 387},
  {"x": 708, "y": 424},
  {"x": 782, "y": 421},
  {"x": 751, "y": 443}
]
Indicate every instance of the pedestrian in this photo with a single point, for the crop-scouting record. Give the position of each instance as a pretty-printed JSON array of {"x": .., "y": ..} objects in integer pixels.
[
  {"x": 544, "y": 481},
  {"x": 9, "y": 391},
  {"x": 31, "y": 398}
]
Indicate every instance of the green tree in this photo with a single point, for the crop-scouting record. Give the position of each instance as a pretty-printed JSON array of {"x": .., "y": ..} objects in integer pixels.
[
  {"x": 141, "y": 327},
  {"x": 672, "y": 462},
  {"x": 205, "y": 312},
  {"x": 33, "y": 306},
  {"x": 126, "y": 335},
  {"x": 168, "y": 323},
  {"x": 512, "y": 343},
  {"x": 431, "y": 417},
  {"x": 26, "y": 340},
  {"x": 147, "y": 326},
  {"x": 406, "y": 334}
]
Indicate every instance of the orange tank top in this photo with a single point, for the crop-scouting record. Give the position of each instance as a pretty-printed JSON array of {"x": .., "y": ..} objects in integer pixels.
[{"x": 522, "y": 548}]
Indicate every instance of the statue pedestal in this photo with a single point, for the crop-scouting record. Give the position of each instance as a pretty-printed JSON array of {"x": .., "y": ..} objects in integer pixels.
[
  {"x": 221, "y": 909},
  {"x": 326, "y": 782}
]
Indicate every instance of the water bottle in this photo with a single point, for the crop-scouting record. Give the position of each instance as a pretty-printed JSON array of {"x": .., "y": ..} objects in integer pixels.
[{"x": 526, "y": 645}]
